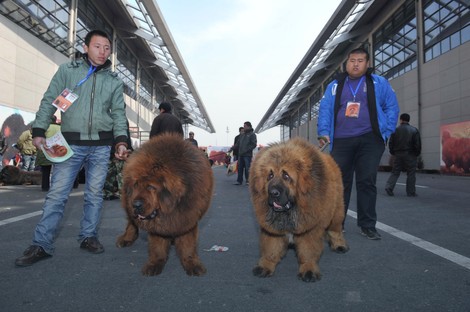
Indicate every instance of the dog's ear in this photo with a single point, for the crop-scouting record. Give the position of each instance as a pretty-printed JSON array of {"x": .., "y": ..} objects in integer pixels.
[
  {"x": 167, "y": 200},
  {"x": 171, "y": 193},
  {"x": 128, "y": 186}
]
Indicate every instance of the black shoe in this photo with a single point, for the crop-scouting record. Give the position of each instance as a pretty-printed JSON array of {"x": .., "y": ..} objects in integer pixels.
[
  {"x": 237, "y": 183},
  {"x": 370, "y": 233},
  {"x": 389, "y": 192},
  {"x": 32, "y": 255},
  {"x": 92, "y": 244},
  {"x": 412, "y": 195}
]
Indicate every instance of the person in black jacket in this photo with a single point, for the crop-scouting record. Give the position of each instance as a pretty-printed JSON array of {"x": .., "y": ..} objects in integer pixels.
[
  {"x": 246, "y": 144},
  {"x": 405, "y": 146},
  {"x": 166, "y": 122}
]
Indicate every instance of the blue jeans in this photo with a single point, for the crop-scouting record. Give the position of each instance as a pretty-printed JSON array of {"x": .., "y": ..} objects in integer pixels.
[
  {"x": 360, "y": 156},
  {"x": 95, "y": 161},
  {"x": 244, "y": 164},
  {"x": 29, "y": 162}
]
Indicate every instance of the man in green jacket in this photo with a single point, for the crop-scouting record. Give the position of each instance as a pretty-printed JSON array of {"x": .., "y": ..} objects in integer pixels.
[{"x": 90, "y": 98}]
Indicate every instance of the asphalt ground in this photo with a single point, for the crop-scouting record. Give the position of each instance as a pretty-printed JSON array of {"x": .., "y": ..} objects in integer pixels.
[{"x": 422, "y": 262}]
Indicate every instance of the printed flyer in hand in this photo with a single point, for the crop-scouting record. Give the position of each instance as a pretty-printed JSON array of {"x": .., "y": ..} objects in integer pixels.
[{"x": 57, "y": 149}]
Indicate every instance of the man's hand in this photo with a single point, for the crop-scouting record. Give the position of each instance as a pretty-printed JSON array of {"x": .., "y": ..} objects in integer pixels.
[
  {"x": 121, "y": 152},
  {"x": 324, "y": 139},
  {"x": 39, "y": 141}
]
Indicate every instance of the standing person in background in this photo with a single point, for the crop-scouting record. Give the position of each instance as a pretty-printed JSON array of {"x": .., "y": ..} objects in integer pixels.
[
  {"x": 191, "y": 139},
  {"x": 234, "y": 147},
  {"x": 246, "y": 144},
  {"x": 166, "y": 122},
  {"x": 358, "y": 136},
  {"x": 41, "y": 160},
  {"x": 405, "y": 146},
  {"x": 3, "y": 148},
  {"x": 93, "y": 116},
  {"x": 27, "y": 150}
]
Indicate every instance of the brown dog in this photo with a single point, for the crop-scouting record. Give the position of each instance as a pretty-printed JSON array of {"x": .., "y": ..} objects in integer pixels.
[
  {"x": 11, "y": 175},
  {"x": 167, "y": 188},
  {"x": 296, "y": 192}
]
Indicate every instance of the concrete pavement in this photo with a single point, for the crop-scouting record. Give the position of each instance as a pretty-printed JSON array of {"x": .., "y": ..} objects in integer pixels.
[{"x": 422, "y": 262}]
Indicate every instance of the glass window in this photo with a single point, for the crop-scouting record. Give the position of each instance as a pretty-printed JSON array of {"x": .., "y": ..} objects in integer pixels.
[
  {"x": 445, "y": 26},
  {"x": 395, "y": 43}
]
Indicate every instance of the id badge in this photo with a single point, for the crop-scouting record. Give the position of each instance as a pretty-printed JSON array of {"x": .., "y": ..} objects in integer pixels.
[
  {"x": 65, "y": 100},
  {"x": 352, "y": 109}
]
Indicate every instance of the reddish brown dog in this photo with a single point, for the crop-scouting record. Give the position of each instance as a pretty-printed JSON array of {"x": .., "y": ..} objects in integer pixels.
[
  {"x": 297, "y": 192},
  {"x": 167, "y": 188}
]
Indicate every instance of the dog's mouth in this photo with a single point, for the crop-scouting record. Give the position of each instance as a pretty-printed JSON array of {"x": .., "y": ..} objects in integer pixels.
[
  {"x": 148, "y": 217},
  {"x": 278, "y": 207}
]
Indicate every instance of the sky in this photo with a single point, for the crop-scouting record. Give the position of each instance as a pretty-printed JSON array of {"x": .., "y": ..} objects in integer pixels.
[{"x": 240, "y": 53}]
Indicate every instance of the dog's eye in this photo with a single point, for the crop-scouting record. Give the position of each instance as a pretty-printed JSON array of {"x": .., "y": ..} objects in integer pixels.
[
  {"x": 270, "y": 176},
  {"x": 151, "y": 188},
  {"x": 286, "y": 176}
]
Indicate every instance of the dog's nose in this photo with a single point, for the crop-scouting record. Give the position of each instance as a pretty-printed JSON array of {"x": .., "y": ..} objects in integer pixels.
[
  {"x": 138, "y": 206},
  {"x": 274, "y": 193}
]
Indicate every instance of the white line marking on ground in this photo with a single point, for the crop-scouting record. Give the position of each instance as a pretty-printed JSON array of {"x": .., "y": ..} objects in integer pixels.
[
  {"x": 437, "y": 250},
  {"x": 419, "y": 186},
  {"x": 19, "y": 218}
]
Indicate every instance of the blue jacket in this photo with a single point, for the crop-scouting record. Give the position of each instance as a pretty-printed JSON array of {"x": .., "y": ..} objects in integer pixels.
[{"x": 383, "y": 107}]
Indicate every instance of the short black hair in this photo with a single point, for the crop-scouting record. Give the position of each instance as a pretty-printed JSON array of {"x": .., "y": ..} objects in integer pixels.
[
  {"x": 95, "y": 32},
  {"x": 359, "y": 50},
  {"x": 248, "y": 124},
  {"x": 240, "y": 129},
  {"x": 405, "y": 117},
  {"x": 165, "y": 106}
]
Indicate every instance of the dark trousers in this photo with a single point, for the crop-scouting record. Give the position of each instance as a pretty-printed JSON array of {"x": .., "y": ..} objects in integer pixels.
[
  {"x": 244, "y": 164},
  {"x": 360, "y": 156},
  {"x": 403, "y": 161},
  {"x": 46, "y": 177}
]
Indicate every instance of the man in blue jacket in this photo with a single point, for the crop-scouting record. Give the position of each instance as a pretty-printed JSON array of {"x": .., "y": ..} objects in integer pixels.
[
  {"x": 357, "y": 124},
  {"x": 93, "y": 117}
]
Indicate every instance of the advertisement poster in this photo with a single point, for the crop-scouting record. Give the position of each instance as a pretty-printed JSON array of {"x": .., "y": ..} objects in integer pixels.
[
  {"x": 455, "y": 148},
  {"x": 13, "y": 122}
]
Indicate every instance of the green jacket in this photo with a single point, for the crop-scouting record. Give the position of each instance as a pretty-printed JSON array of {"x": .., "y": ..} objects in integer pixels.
[{"x": 97, "y": 117}]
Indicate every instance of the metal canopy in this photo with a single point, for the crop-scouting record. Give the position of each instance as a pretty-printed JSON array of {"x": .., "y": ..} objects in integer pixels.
[{"x": 141, "y": 24}]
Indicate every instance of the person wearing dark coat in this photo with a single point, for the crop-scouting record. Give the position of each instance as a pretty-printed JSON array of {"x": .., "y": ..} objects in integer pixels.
[
  {"x": 405, "y": 146},
  {"x": 166, "y": 122},
  {"x": 246, "y": 144}
]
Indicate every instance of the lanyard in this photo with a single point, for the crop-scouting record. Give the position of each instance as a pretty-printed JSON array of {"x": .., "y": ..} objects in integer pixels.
[
  {"x": 357, "y": 87},
  {"x": 90, "y": 72}
]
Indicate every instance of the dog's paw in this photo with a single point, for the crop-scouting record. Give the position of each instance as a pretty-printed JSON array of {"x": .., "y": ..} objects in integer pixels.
[
  {"x": 309, "y": 276},
  {"x": 196, "y": 270},
  {"x": 123, "y": 243},
  {"x": 150, "y": 269},
  {"x": 340, "y": 249},
  {"x": 262, "y": 272}
]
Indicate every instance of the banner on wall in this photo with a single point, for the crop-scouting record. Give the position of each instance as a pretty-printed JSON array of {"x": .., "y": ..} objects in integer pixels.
[{"x": 455, "y": 148}]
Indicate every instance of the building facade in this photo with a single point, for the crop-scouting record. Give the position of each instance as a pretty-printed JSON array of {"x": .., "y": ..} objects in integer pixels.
[
  {"x": 37, "y": 36},
  {"x": 421, "y": 46}
]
